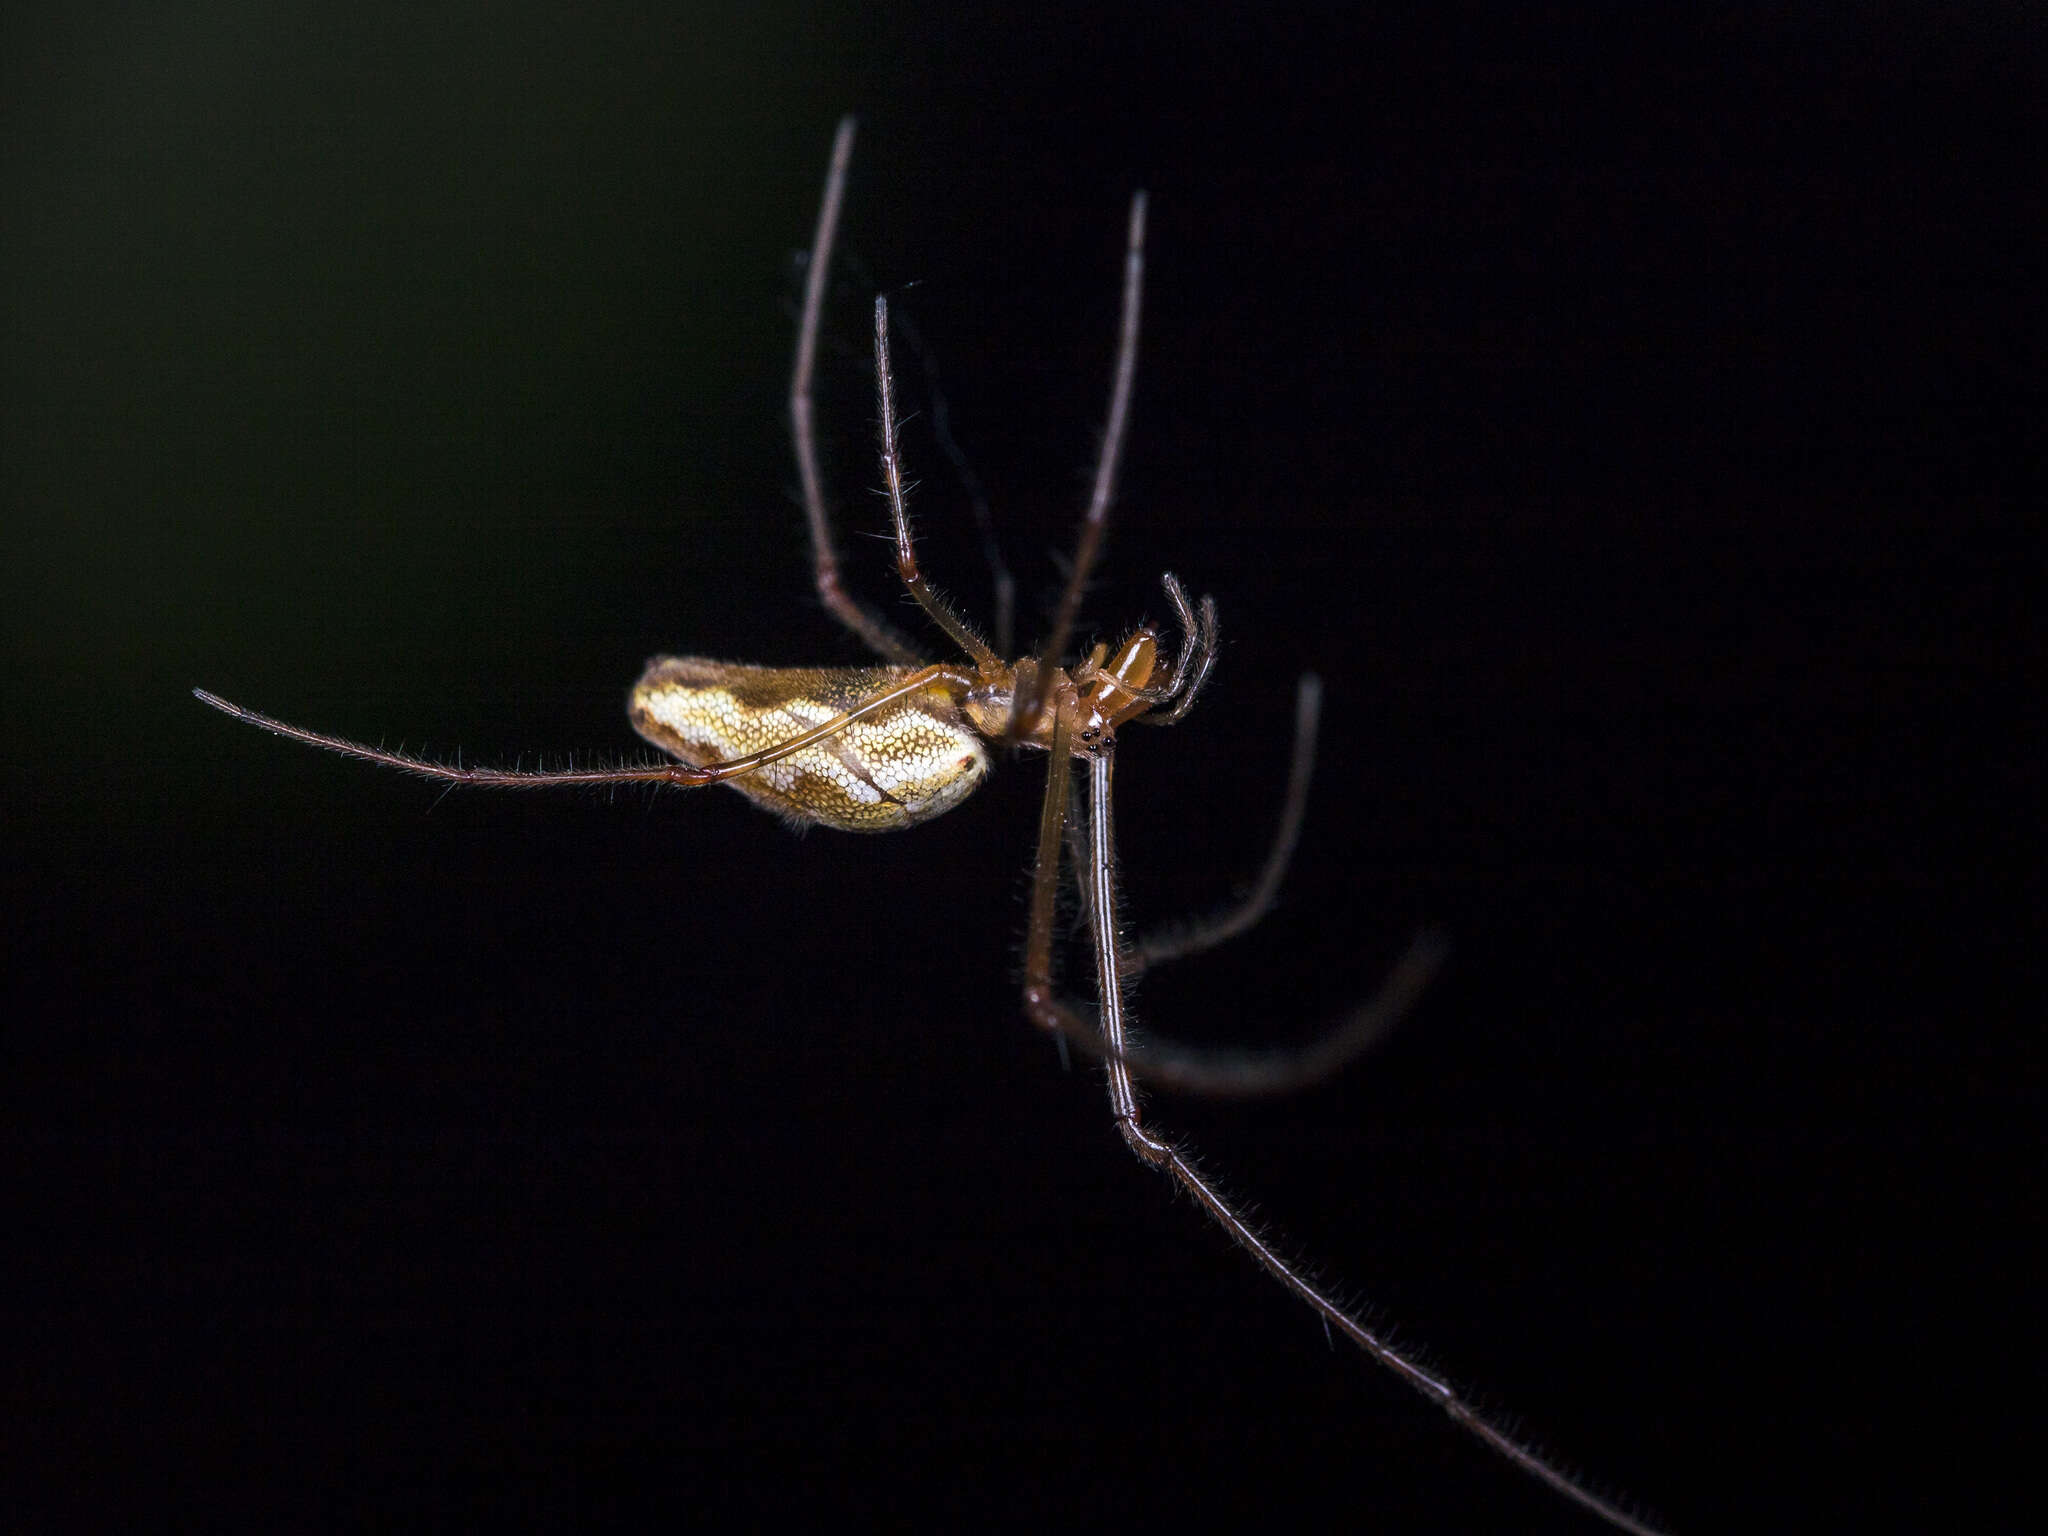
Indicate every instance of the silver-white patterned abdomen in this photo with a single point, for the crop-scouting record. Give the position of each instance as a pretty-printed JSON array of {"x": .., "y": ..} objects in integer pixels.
[{"x": 909, "y": 761}]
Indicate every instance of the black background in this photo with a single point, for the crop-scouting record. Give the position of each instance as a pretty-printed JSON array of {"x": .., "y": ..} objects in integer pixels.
[{"x": 1637, "y": 424}]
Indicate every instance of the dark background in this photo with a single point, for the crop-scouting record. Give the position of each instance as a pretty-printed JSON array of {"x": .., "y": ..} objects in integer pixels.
[{"x": 1636, "y": 423}]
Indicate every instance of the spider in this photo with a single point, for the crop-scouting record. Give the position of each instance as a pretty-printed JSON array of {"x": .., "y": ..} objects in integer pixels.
[{"x": 880, "y": 748}]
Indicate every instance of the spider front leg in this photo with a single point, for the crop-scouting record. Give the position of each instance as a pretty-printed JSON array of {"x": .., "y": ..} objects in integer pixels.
[
  {"x": 1098, "y": 878},
  {"x": 1042, "y": 1004}
]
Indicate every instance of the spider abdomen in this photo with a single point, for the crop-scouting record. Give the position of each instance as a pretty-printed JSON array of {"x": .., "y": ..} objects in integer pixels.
[{"x": 900, "y": 765}]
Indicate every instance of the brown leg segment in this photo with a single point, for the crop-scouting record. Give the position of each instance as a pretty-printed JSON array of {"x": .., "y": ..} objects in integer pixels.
[
  {"x": 872, "y": 631},
  {"x": 1100, "y": 878},
  {"x": 680, "y": 775},
  {"x": 1089, "y": 544},
  {"x": 1041, "y": 1005},
  {"x": 941, "y": 612}
]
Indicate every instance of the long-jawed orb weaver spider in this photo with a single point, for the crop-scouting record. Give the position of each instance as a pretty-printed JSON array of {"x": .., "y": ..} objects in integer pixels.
[{"x": 879, "y": 748}]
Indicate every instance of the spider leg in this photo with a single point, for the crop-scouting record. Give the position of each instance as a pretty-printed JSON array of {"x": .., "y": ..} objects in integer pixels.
[
  {"x": 1056, "y": 819},
  {"x": 1099, "y": 876},
  {"x": 681, "y": 775},
  {"x": 1227, "y": 1072},
  {"x": 1089, "y": 544},
  {"x": 1177, "y": 940},
  {"x": 1003, "y": 630},
  {"x": 1223, "y": 1072},
  {"x": 871, "y": 630},
  {"x": 937, "y": 607},
  {"x": 1041, "y": 1005}
]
